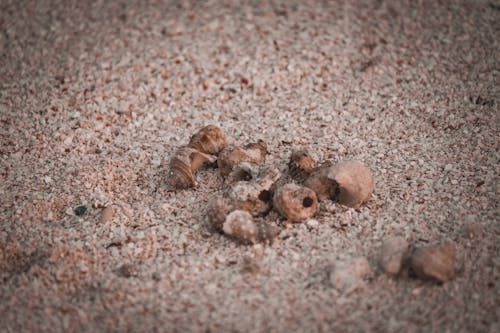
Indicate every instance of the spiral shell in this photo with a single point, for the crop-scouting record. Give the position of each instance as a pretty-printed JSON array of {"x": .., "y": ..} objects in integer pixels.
[
  {"x": 240, "y": 225},
  {"x": 255, "y": 196},
  {"x": 434, "y": 262},
  {"x": 301, "y": 165},
  {"x": 183, "y": 167},
  {"x": 296, "y": 203},
  {"x": 217, "y": 211},
  {"x": 232, "y": 156},
  {"x": 209, "y": 140},
  {"x": 349, "y": 183}
]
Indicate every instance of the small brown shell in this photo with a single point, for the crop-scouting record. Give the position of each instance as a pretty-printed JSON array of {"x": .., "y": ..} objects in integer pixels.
[
  {"x": 434, "y": 262},
  {"x": 296, "y": 203},
  {"x": 240, "y": 225},
  {"x": 301, "y": 165},
  {"x": 217, "y": 211},
  {"x": 349, "y": 183},
  {"x": 209, "y": 140},
  {"x": 183, "y": 167},
  {"x": 255, "y": 196},
  {"x": 232, "y": 156}
]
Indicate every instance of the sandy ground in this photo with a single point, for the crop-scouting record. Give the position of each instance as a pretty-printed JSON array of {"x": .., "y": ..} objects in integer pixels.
[{"x": 95, "y": 96}]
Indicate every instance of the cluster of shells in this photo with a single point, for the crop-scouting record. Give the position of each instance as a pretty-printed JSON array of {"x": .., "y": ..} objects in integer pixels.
[{"x": 253, "y": 188}]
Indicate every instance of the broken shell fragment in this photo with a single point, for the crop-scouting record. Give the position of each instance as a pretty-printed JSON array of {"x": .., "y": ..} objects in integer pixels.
[
  {"x": 349, "y": 183},
  {"x": 240, "y": 225},
  {"x": 393, "y": 254},
  {"x": 251, "y": 197},
  {"x": 243, "y": 172},
  {"x": 232, "y": 156},
  {"x": 434, "y": 262},
  {"x": 183, "y": 167},
  {"x": 209, "y": 140},
  {"x": 296, "y": 203},
  {"x": 255, "y": 196},
  {"x": 301, "y": 165}
]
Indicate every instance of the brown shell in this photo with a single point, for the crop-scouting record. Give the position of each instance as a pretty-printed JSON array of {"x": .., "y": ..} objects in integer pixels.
[
  {"x": 349, "y": 183},
  {"x": 255, "y": 196},
  {"x": 301, "y": 165},
  {"x": 209, "y": 140},
  {"x": 240, "y": 225},
  {"x": 232, "y": 156},
  {"x": 217, "y": 211},
  {"x": 434, "y": 262},
  {"x": 393, "y": 255},
  {"x": 183, "y": 167},
  {"x": 296, "y": 203}
]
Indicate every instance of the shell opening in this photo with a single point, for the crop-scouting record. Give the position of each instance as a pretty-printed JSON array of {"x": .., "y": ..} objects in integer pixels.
[
  {"x": 244, "y": 175},
  {"x": 307, "y": 202},
  {"x": 335, "y": 193},
  {"x": 265, "y": 196}
]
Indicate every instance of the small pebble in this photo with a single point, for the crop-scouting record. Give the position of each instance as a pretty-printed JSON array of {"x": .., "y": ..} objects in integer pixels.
[
  {"x": 107, "y": 214},
  {"x": 348, "y": 275},
  {"x": 312, "y": 223},
  {"x": 80, "y": 210},
  {"x": 393, "y": 254},
  {"x": 434, "y": 262}
]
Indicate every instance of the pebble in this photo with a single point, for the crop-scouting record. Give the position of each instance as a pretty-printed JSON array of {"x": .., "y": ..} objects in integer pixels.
[
  {"x": 312, "y": 223},
  {"x": 107, "y": 214},
  {"x": 393, "y": 253},
  {"x": 80, "y": 210},
  {"x": 348, "y": 275},
  {"x": 434, "y": 262}
]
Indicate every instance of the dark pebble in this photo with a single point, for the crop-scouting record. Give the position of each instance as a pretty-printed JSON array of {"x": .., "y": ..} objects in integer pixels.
[{"x": 80, "y": 210}]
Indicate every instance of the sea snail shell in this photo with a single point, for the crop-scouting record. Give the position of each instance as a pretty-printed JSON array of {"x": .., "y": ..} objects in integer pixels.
[
  {"x": 301, "y": 165},
  {"x": 296, "y": 203},
  {"x": 217, "y": 211},
  {"x": 232, "y": 156},
  {"x": 349, "y": 183},
  {"x": 255, "y": 196},
  {"x": 183, "y": 167},
  {"x": 209, "y": 140},
  {"x": 240, "y": 225}
]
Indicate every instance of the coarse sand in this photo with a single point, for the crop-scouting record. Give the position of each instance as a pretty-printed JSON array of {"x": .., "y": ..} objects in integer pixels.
[{"x": 95, "y": 96}]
